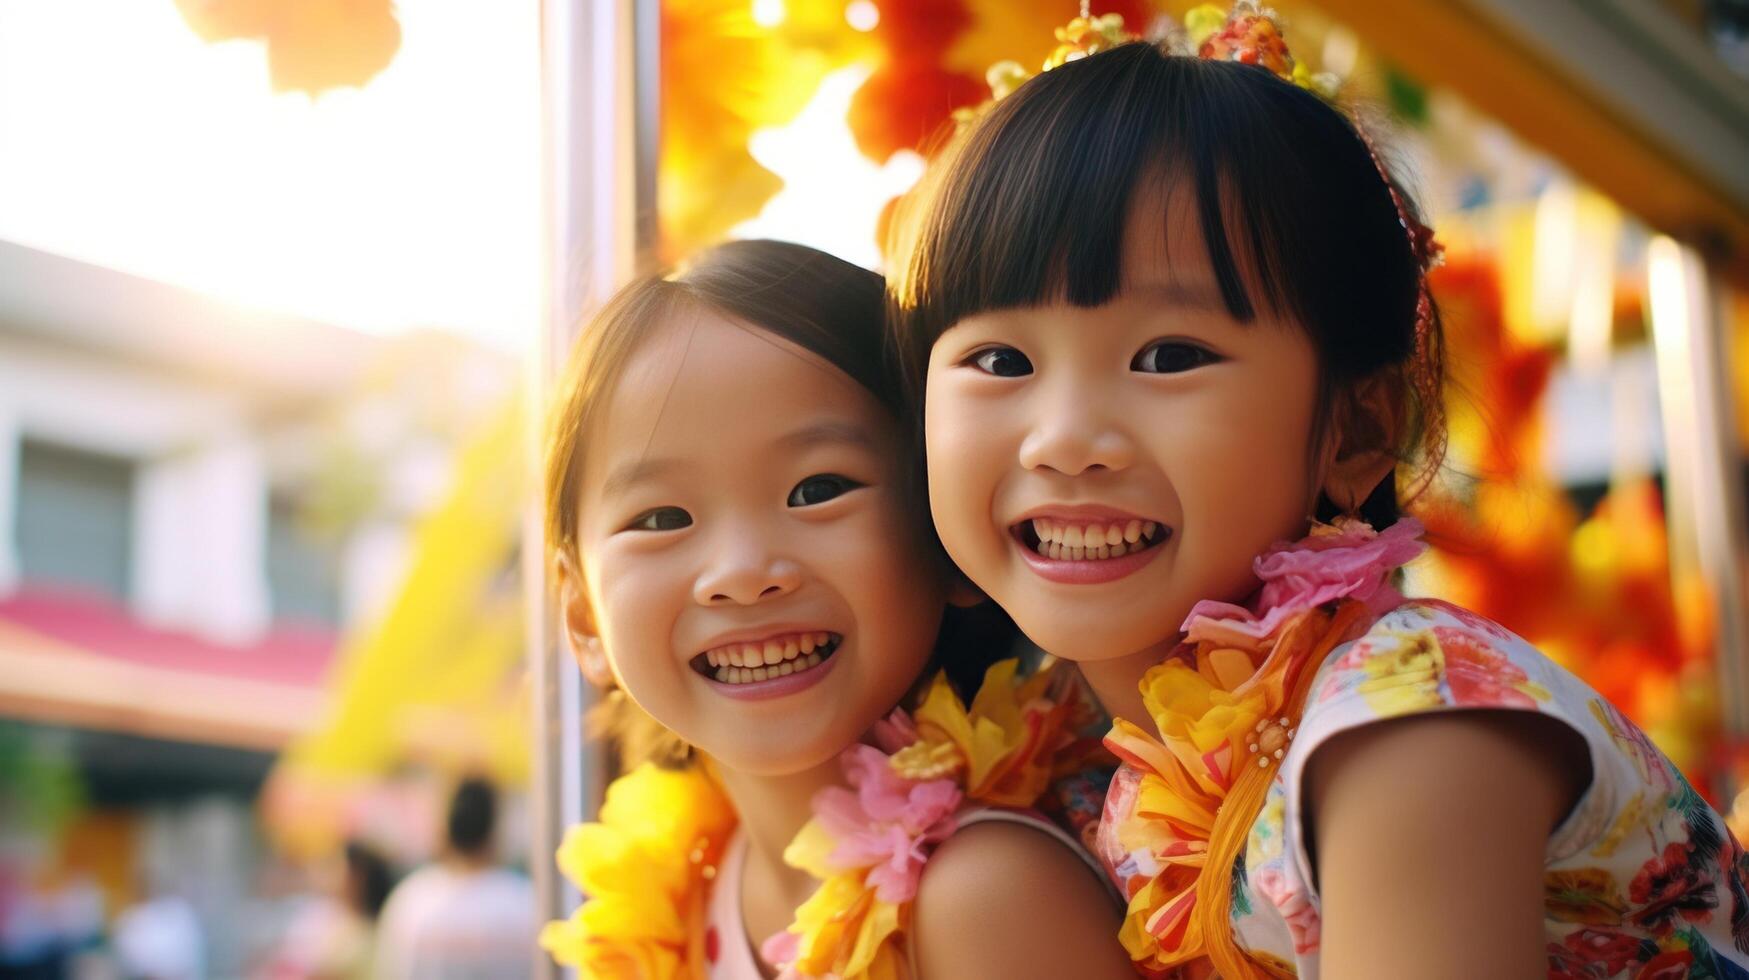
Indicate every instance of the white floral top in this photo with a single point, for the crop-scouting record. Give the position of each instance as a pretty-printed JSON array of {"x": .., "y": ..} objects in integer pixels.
[{"x": 1642, "y": 879}]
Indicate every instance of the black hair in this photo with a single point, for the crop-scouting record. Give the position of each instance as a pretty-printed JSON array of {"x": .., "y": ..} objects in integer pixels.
[
  {"x": 369, "y": 878},
  {"x": 473, "y": 812},
  {"x": 1030, "y": 207},
  {"x": 818, "y": 302}
]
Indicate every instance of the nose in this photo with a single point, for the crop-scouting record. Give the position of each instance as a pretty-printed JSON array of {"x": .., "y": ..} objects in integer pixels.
[
  {"x": 742, "y": 571},
  {"x": 1075, "y": 431}
]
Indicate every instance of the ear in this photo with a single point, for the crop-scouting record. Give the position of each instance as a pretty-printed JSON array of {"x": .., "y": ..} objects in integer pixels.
[
  {"x": 1362, "y": 444},
  {"x": 579, "y": 623}
]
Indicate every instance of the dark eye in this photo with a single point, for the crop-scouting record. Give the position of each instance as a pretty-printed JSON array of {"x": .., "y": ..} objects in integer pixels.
[
  {"x": 1003, "y": 362},
  {"x": 821, "y": 488},
  {"x": 661, "y": 519},
  {"x": 1172, "y": 357}
]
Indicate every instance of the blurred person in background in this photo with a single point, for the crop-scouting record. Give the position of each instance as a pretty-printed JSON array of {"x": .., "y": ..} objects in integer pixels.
[
  {"x": 461, "y": 917},
  {"x": 160, "y": 938},
  {"x": 333, "y": 937}
]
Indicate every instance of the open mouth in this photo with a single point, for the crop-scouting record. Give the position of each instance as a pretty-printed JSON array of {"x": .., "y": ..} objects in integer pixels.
[
  {"x": 1090, "y": 540},
  {"x": 767, "y": 659}
]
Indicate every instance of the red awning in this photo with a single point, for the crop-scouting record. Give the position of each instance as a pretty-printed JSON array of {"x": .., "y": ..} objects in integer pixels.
[{"x": 85, "y": 660}]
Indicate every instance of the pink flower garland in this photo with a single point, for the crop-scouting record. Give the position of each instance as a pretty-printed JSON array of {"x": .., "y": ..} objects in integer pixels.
[
  {"x": 888, "y": 823},
  {"x": 1348, "y": 561}
]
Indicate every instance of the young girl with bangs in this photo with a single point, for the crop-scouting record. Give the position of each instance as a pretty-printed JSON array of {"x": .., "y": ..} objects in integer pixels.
[
  {"x": 1179, "y": 370},
  {"x": 739, "y": 555}
]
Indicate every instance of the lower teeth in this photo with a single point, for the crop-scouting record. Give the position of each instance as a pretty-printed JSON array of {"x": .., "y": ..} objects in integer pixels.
[
  {"x": 749, "y": 675},
  {"x": 1062, "y": 552}
]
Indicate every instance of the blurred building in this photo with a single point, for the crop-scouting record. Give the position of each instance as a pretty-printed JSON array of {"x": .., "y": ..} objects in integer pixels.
[{"x": 196, "y": 501}]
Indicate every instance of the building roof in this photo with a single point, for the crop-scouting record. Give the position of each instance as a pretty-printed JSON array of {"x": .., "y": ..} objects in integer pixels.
[{"x": 55, "y": 299}]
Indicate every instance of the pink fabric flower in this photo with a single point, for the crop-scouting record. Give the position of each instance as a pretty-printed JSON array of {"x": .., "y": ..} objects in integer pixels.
[
  {"x": 894, "y": 732},
  {"x": 887, "y": 823},
  {"x": 1354, "y": 562},
  {"x": 781, "y": 951}
]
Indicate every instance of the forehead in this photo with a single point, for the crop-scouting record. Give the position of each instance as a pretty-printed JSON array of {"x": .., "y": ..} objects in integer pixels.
[
  {"x": 1163, "y": 240},
  {"x": 706, "y": 384}
]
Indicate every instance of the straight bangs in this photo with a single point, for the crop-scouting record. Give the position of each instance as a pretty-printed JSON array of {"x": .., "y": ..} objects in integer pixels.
[{"x": 1030, "y": 206}]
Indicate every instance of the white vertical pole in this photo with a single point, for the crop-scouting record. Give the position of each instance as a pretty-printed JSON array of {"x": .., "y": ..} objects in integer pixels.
[
  {"x": 598, "y": 90},
  {"x": 1709, "y": 537}
]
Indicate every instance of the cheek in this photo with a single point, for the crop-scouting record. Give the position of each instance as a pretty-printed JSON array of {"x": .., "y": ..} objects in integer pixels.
[
  {"x": 880, "y": 569},
  {"x": 635, "y": 605},
  {"x": 1239, "y": 467},
  {"x": 966, "y": 442}
]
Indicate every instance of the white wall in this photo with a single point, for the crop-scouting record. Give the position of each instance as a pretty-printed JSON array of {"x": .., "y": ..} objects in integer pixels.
[
  {"x": 201, "y": 490},
  {"x": 200, "y": 534}
]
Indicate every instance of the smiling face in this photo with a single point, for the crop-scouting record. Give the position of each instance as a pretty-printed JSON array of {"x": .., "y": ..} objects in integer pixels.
[
  {"x": 1099, "y": 470},
  {"x": 746, "y": 556}
]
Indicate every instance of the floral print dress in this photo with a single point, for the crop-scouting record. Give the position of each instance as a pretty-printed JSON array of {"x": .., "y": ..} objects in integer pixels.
[{"x": 1642, "y": 879}]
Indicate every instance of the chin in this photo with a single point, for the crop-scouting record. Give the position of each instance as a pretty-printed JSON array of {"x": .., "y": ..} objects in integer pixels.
[
  {"x": 779, "y": 760},
  {"x": 1091, "y": 642}
]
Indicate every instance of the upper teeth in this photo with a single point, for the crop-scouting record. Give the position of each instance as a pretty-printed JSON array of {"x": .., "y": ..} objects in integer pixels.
[
  {"x": 766, "y": 652},
  {"x": 1079, "y": 542},
  {"x": 1093, "y": 535}
]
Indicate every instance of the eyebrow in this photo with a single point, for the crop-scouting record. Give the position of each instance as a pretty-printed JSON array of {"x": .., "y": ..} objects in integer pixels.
[
  {"x": 627, "y": 475},
  {"x": 827, "y": 432}
]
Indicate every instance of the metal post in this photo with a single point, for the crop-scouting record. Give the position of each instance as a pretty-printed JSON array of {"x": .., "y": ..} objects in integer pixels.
[
  {"x": 598, "y": 92},
  {"x": 1709, "y": 533}
]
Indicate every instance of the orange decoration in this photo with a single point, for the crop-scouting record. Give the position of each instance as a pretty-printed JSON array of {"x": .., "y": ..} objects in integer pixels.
[
  {"x": 1595, "y": 594},
  {"x": 312, "y": 45},
  {"x": 723, "y": 77},
  {"x": 908, "y": 100}
]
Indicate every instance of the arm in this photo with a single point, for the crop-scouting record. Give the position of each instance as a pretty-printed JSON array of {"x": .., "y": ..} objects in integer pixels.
[
  {"x": 1430, "y": 833},
  {"x": 1006, "y": 902}
]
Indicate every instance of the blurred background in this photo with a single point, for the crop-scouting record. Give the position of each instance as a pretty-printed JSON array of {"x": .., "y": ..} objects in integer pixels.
[{"x": 281, "y": 281}]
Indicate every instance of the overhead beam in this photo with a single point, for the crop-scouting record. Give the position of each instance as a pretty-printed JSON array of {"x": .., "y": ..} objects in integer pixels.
[{"x": 1629, "y": 100}]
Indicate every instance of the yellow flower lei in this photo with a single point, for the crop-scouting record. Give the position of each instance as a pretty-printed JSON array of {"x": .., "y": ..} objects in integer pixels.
[
  {"x": 648, "y": 862},
  {"x": 1225, "y": 717},
  {"x": 646, "y": 866}
]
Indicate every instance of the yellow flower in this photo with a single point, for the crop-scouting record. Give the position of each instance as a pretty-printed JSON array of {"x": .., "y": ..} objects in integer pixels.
[
  {"x": 810, "y": 849},
  {"x": 926, "y": 759},
  {"x": 1202, "y": 22},
  {"x": 843, "y": 931},
  {"x": 1202, "y": 725},
  {"x": 1636, "y": 813},
  {"x": 570, "y": 943},
  {"x": 1404, "y": 677},
  {"x": 1006, "y": 739},
  {"x": 1265, "y": 842},
  {"x": 645, "y": 866},
  {"x": 1590, "y": 896}
]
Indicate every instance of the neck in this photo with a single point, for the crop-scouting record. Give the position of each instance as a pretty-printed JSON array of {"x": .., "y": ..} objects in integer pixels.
[
  {"x": 772, "y": 811},
  {"x": 465, "y": 861},
  {"x": 1117, "y": 683}
]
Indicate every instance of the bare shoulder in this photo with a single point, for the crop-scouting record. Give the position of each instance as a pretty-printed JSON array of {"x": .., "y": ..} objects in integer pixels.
[
  {"x": 1001, "y": 899},
  {"x": 1469, "y": 758},
  {"x": 1430, "y": 830}
]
